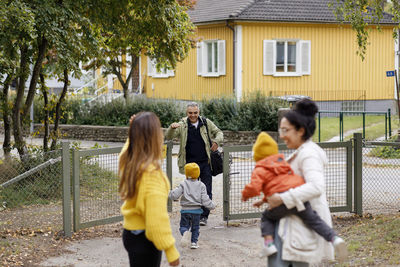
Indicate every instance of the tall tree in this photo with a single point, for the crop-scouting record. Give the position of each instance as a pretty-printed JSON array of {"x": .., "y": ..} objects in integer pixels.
[
  {"x": 17, "y": 30},
  {"x": 28, "y": 29},
  {"x": 362, "y": 14},
  {"x": 160, "y": 28}
]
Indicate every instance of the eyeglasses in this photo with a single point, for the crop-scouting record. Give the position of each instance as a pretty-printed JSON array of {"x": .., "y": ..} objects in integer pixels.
[{"x": 284, "y": 131}]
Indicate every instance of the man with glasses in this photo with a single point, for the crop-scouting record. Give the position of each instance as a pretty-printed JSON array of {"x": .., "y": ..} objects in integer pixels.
[{"x": 195, "y": 147}]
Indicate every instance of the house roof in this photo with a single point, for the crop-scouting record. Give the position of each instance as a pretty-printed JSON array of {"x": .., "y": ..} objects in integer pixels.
[{"x": 267, "y": 10}]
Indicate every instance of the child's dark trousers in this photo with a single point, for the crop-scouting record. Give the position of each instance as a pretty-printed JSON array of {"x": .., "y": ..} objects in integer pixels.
[
  {"x": 190, "y": 221},
  {"x": 309, "y": 217}
]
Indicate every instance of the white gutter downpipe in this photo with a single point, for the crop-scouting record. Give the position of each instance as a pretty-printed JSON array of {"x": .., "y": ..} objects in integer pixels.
[{"x": 238, "y": 62}]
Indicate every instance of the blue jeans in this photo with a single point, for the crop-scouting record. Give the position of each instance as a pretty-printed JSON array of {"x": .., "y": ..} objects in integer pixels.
[
  {"x": 276, "y": 259},
  {"x": 190, "y": 221},
  {"x": 206, "y": 179}
]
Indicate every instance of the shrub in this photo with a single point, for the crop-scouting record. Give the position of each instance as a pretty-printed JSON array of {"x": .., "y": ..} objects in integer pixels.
[
  {"x": 256, "y": 112},
  {"x": 386, "y": 152}
]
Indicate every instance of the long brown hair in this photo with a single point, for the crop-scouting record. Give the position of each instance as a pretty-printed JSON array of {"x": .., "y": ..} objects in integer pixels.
[{"x": 145, "y": 148}]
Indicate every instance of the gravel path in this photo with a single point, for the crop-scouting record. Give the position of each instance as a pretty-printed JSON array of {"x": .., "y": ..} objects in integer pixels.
[{"x": 220, "y": 245}]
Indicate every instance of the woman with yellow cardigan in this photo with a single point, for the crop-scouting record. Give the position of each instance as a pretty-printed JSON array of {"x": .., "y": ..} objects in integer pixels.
[{"x": 144, "y": 189}]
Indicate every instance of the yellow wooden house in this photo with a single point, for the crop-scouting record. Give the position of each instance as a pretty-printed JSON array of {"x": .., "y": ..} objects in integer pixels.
[{"x": 279, "y": 47}]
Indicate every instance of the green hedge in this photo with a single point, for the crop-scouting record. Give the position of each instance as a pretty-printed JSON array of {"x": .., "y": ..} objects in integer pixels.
[{"x": 254, "y": 113}]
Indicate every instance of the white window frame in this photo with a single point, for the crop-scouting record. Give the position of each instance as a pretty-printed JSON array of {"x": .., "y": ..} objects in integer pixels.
[
  {"x": 220, "y": 59},
  {"x": 303, "y": 58},
  {"x": 152, "y": 70}
]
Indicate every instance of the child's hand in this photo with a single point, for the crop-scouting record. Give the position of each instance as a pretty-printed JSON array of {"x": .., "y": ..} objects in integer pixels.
[
  {"x": 244, "y": 198},
  {"x": 258, "y": 203}
]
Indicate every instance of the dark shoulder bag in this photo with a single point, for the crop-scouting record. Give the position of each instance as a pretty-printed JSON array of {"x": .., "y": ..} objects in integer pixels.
[{"x": 216, "y": 156}]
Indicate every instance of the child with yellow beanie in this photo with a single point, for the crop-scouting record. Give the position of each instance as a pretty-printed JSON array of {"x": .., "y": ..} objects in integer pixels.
[
  {"x": 272, "y": 174},
  {"x": 193, "y": 195}
]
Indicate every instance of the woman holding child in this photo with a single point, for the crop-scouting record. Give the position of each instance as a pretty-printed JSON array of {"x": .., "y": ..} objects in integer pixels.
[{"x": 298, "y": 245}]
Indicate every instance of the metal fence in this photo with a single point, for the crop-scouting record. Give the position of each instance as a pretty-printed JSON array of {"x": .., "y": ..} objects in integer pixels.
[
  {"x": 380, "y": 177},
  {"x": 357, "y": 179},
  {"x": 239, "y": 164},
  {"x": 95, "y": 181},
  {"x": 73, "y": 188},
  {"x": 31, "y": 192}
]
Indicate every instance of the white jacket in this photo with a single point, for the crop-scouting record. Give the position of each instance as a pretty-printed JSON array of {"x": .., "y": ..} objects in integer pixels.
[{"x": 300, "y": 243}]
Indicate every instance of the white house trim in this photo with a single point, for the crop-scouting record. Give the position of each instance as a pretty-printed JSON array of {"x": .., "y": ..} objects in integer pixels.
[{"x": 238, "y": 62}]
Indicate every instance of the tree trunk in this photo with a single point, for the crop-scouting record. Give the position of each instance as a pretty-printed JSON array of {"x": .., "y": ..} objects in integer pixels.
[
  {"x": 35, "y": 75},
  {"x": 17, "y": 109},
  {"x": 6, "y": 116},
  {"x": 125, "y": 84},
  {"x": 46, "y": 113},
  {"x": 55, "y": 133}
]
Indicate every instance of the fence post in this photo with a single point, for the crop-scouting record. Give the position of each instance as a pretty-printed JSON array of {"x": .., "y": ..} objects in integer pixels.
[
  {"x": 358, "y": 173},
  {"x": 66, "y": 187},
  {"x": 226, "y": 184},
  {"x": 390, "y": 122},
  {"x": 169, "y": 170},
  {"x": 386, "y": 126},
  {"x": 76, "y": 189},
  {"x": 319, "y": 127},
  {"x": 363, "y": 133},
  {"x": 341, "y": 126}
]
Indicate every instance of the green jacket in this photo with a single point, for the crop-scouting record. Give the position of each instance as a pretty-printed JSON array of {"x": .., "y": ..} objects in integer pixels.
[{"x": 181, "y": 132}]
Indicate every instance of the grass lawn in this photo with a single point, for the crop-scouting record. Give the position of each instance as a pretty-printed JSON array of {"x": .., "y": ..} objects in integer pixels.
[
  {"x": 371, "y": 240},
  {"x": 374, "y": 126}
]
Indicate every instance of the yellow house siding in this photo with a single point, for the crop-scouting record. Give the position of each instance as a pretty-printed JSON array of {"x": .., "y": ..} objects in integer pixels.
[
  {"x": 337, "y": 72},
  {"x": 186, "y": 84}
]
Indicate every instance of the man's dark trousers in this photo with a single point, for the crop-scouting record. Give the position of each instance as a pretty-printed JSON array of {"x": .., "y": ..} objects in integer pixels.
[{"x": 206, "y": 178}]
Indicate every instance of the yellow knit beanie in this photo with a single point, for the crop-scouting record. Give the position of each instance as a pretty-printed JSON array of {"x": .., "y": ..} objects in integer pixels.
[
  {"x": 192, "y": 170},
  {"x": 264, "y": 146}
]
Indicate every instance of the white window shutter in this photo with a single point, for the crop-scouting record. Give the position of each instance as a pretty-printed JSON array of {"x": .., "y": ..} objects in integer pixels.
[
  {"x": 305, "y": 57},
  {"x": 151, "y": 70},
  {"x": 221, "y": 58},
  {"x": 199, "y": 58},
  {"x": 269, "y": 57}
]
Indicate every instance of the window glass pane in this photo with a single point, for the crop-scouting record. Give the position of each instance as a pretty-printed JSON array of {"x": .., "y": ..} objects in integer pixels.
[
  {"x": 280, "y": 56},
  {"x": 209, "y": 57},
  {"x": 291, "y": 57},
  {"x": 215, "y": 57}
]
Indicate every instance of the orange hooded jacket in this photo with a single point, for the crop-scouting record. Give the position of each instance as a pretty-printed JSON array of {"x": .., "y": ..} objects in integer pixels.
[{"x": 271, "y": 175}]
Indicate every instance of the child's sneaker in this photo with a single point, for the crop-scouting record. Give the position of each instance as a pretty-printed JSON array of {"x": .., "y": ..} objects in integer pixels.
[
  {"x": 194, "y": 245},
  {"x": 268, "y": 250},
  {"x": 340, "y": 248},
  {"x": 185, "y": 240}
]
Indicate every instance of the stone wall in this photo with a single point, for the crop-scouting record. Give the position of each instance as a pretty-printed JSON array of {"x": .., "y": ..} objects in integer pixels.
[{"x": 119, "y": 134}]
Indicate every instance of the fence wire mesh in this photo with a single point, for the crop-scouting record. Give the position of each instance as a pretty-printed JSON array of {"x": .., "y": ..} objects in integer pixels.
[
  {"x": 31, "y": 191},
  {"x": 381, "y": 178},
  {"x": 98, "y": 197},
  {"x": 336, "y": 176},
  {"x": 242, "y": 165},
  {"x": 98, "y": 187}
]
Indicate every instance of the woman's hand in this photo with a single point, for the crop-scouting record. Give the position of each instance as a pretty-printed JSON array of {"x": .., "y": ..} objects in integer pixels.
[
  {"x": 258, "y": 203},
  {"x": 274, "y": 201},
  {"x": 174, "y": 263},
  {"x": 132, "y": 118}
]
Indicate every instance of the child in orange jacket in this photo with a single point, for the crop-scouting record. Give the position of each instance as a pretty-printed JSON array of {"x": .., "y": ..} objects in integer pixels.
[{"x": 272, "y": 174}]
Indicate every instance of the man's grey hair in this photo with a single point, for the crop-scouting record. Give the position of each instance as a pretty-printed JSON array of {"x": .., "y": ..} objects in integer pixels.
[{"x": 192, "y": 104}]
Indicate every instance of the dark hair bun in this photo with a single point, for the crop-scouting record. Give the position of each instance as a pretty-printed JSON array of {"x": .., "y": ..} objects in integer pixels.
[{"x": 306, "y": 107}]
